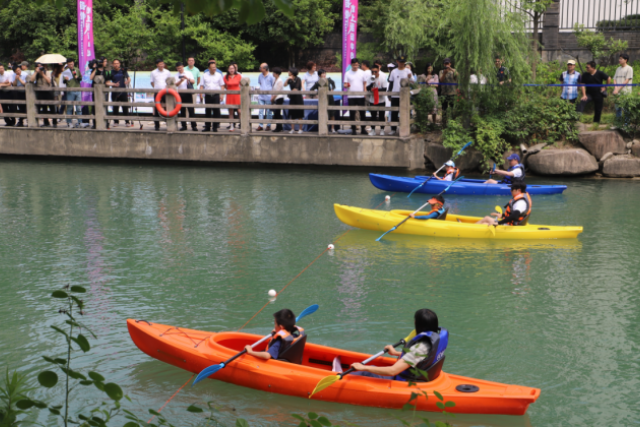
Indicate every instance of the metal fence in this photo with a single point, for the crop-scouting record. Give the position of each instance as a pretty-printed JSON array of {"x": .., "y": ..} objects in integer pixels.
[
  {"x": 600, "y": 14},
  {"x": 593, "y": 14}
]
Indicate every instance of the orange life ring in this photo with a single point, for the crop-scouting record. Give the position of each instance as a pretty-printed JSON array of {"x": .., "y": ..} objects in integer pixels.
[{"x": 161, "y": 110}]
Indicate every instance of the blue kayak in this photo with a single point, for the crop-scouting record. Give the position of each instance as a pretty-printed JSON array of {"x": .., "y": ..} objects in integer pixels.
[{"x": 463, "y": 187}]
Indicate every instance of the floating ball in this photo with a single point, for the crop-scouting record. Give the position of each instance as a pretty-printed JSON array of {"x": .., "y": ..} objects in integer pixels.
[
  {"x": 272, "y": 293},
  {"x": 387, "y": 198},
  {"x": 331, "y": 246}
]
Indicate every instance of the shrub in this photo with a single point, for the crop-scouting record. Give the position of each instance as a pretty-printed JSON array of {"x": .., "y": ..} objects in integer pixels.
[{"x": 629, "y": 121}]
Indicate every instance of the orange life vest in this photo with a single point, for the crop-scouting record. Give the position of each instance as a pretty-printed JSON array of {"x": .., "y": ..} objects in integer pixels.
[
  {"x": 452, "y": 171},
  {"x": 509, "y": 208},
  {"x": 288, "y": 339}
]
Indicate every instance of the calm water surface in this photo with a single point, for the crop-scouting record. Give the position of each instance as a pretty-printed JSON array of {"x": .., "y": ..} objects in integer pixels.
[{"x": 199, "y": 246}]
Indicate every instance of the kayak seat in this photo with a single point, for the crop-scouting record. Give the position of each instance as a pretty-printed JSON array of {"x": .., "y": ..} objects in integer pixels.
[
  {"x": 294, "y": 353},
  {"x": 435, "y": 370},
  {"x": 444, "y": 215},
  {"x": 525, "y": 222}
]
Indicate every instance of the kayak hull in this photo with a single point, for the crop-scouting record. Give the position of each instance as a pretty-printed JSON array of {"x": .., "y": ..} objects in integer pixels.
[
  {"x": 381, "y": 221},
  {"x": 399, "y": 184},
  {"x": 193, "y": 351}
]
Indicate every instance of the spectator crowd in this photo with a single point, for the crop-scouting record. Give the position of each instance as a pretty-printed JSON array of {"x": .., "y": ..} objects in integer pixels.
[{"x": 367, "y": 80}]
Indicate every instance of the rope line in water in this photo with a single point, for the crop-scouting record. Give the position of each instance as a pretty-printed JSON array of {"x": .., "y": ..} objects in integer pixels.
[{"x": 174, "y": 395}]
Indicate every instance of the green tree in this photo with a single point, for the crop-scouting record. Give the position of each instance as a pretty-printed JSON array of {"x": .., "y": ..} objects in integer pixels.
[
  {"x": 311, "y": 21},
  {"x": 602, "y": 50},
  {"x": 411, "y": 24}
]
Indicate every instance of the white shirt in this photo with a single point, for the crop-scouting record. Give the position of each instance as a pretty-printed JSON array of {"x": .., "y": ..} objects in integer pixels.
[
  {"x": 395, "y": 77},
  {"x": 473, "y": 79},
  {"x": 186, "y": 81},
  {"x": 623, "y": 74},
  {"x": 278, "y": 85},
  {"x": 520, "y": 206},
  {"x": 7, "y": 77},
  {"x": 356, "y": 81},
  {"x": 159, "y": 78},
  {"x": 310, "y": 79},
  {"x": 517, "y": 173},
  {"x": 212, "y": 82},
  {"x": 381, "y": 83},
  {"x": 367, "y": 76}
]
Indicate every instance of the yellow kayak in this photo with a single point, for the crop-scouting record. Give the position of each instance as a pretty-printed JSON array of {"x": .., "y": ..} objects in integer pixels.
[{"x": 457, "y": 226}]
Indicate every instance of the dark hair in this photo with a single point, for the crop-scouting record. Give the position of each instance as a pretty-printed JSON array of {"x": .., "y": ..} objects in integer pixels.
[
  {"x": 70, "y": 60},
  {"x": 519, "y": 186},
  {"x": 285, "y": 318},
  {"x": 116, "y": 59},
  {"x": 425, "y": 321},
  {"x": 367, "y": 63},
  {"x": 375, "y": 66},
  {"x": 276, "y": 70},
  {"x": 426, "y": 69},
  {"x": 294, "y": 71},
  {"x": 321, "y": 72},
  {"x": 310, "y": 65},
  {"x": 231, "y": 64},
  {"x": 377, "y": 61},
  {"x": 179, "y": 64},
  {"x": 592, "y": 64},
  {"x": 439, "y": 198},
  {"x": 624, "y": 56},
  {"x": 159, "y": 61},
  {"x": 355, "y": 60}
]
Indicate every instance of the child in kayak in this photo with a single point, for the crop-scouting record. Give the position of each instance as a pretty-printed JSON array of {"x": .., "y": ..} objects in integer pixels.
[
  {"x": 437, "y": 209},
  {"x": 452, "y": 172},
  {"x": 285, "y": 334},
  {"x": 424, "y": 351}
]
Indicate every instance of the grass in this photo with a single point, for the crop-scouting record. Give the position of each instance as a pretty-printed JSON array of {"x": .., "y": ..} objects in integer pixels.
[{"x": 605, "y": 119}]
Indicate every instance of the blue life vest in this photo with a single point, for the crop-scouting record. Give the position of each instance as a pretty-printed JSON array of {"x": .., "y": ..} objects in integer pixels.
[
  {"x": 438, "y": 341},
  {"x": 511, "y": 179}
]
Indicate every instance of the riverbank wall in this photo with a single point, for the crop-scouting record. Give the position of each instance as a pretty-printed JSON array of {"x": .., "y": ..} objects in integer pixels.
[{"x": 395, "y": 152}]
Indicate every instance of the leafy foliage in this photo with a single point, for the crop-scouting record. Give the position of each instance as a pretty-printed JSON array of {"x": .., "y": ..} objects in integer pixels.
[
  {"x": 408, "y": 23},
  {"x": 629, "y": 120},
  {"x": 13, "y": 392},
  {"x": 603, "y": 51},
  {"x": 423, "y": 102}
]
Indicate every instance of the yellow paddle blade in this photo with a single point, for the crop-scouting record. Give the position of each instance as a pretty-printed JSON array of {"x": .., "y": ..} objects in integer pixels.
[
  {"x": 411, "y": 336},
  {"x": 499, "y": 210},
  {"x": 493, "y": 230},
  {"x": 324, "y": 383}
]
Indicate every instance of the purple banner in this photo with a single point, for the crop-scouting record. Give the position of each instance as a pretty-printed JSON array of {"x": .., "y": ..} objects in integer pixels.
[
  {"x": 85, "y": 44},
  {"x": 349, "y": 36}
]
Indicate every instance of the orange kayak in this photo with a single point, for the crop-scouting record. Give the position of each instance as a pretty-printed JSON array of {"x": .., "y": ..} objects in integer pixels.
[{"x": 194, "y": 350}]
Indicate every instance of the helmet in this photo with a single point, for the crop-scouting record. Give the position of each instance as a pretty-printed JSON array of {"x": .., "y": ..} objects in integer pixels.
[{"x": 450, "y": 163}]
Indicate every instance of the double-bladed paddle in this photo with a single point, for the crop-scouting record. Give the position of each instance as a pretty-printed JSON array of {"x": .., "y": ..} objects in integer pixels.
[
  {"x": 416, "y": 211},
  {"x": 207, "y": 372},
  {"x": 332, "y": 379},
  {"x": 493, "y": 230},
  {"x": 429, "y": 179}
]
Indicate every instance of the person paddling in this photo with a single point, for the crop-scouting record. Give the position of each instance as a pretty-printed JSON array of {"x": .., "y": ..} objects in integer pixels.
[
  {"x": 516, "y": 212},
  {"x": 515, "y": 173},
  {"x": 285, "y": 334},
  {"x": 424, "y": 351},
  {"x": 452, "y": 172},
  {"x": 437, "y": 209}
]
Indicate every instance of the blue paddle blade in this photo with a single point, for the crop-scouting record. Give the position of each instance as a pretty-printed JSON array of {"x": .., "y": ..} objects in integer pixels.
[
  {"x": 307, "y": 311},
  {"x": 465, "y": 147},
  {"x": 207, "y": 372}
]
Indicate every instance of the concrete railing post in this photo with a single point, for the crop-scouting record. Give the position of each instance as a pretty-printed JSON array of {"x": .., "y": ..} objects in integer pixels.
[
  {"x": 32, "y": 108},
  {"x": 245, "y": 106},
  {"x": 551, "y": 32},
  {"x": 405, "y": 109},
  {"x": 323, "y": 103},
  {"x": 172, "y": 122},
  {"x": 98, "y": 103}
]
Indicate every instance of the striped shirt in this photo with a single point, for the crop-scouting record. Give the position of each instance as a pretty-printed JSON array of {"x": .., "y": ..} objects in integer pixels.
[{"x": 570, "y": 92}]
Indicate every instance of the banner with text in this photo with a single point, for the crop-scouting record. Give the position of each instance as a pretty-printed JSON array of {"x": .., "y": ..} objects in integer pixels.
[
  {"x": 349, "y": 36},
  {"x": 85, "y": 44}
]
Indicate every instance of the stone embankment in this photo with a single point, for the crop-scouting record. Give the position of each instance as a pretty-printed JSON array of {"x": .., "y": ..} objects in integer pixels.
[{"x": 604, "y": 153}]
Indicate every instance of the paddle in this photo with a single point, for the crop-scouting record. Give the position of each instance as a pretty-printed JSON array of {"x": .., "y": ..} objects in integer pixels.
[
  {"x": 493, "y": 230},
  {"x": 457, "y": 154},
  {"x": 332, "y": 379},
  {"x": 207, "y": 372},
  {"x": 418, "y": 210},
  {"x": 493, "y": 169}
]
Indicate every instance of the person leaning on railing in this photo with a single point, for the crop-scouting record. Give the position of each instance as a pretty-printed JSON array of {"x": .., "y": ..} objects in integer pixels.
[
  {"x": 119, "y": 78},
  {"x": 42, "y": 79},
  {"x": 72, "y": 78},
  {"x": 277, "y": 99},
  {"x": 6, "y": 80},
  {"x": 330, "y": 99},
  {"x": 20, "y": 80},
  {"x": 377, "y": 81},
  {"x": 295, "y": 85},
  {"x": 212, "y": 81}
]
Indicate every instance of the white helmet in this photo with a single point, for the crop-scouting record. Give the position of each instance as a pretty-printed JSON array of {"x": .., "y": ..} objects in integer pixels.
[{"x": 450, "y": 163}]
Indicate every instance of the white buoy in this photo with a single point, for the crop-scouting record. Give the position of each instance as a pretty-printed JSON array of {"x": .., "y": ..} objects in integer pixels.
[
  {"x": 387, "y": 198},
  {"x": 331, "y": 247},
  {"x": 272, "y": 293}
]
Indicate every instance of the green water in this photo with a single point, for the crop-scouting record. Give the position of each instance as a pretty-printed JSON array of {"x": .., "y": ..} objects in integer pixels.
[{"x": 199, "y": 246}]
